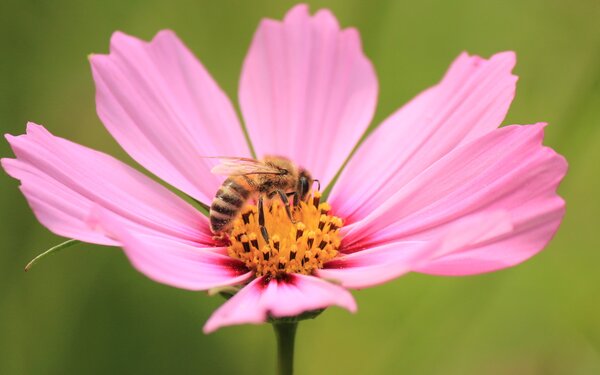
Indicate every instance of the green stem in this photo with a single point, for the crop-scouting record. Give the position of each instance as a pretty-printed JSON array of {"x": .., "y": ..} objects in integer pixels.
[{"x": 285, "y": 333}]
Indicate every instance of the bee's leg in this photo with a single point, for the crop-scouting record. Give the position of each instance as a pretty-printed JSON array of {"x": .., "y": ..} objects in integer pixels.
[
  {"x": 286, "y": 203},
  {"x": 296, "y": 199},
  {"x": 261, "y": 219}
]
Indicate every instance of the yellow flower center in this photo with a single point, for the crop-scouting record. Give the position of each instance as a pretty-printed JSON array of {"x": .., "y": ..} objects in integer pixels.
[{"x": 301, "y": 246}]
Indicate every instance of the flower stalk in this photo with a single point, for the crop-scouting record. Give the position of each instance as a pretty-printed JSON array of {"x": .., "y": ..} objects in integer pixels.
[{"x": 285, "y": 333}]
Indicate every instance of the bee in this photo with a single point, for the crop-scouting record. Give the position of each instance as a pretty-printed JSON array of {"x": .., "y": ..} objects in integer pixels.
[{"x": 273, "y": 176}]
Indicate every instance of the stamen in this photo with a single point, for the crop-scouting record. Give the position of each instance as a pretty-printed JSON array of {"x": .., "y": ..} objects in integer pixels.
[
  {"x": 300, "y": 230},
  {"x": 324, "y": 242},
  {"x": 276, "y": 242},
  {"x": 266, "y": 252},
  {"x": 245, "y": 243},
  {"x": 286, "y": 246},
  {"x": 336, "y": 223},
  {"x": 293, "y": 251},
  {"x": 322, "y": 222},
  {"x": 316, "y": 198},
  {"x": 310, "y": 240},
  {"x": 246, "y": 217},
  {"x": 253, "y": 240}
]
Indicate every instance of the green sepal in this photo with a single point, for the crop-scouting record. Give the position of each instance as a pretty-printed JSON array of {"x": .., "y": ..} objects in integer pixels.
[
  {"x": 50, "y": 251},
  {"x": 295, "y": 319},
  {"x": 224, "y": 291}
]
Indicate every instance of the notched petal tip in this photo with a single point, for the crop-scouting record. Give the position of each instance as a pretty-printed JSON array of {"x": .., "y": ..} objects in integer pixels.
[
  {"x": 502, "y": 62},
  {"x": 507, "y": 60},
  {"x": 540, "y": 133},
  {"x": 166, "y": 34},
  {"x": 300, "y": 14},
  {"x": 9, "y": 165},
  {"x": 97, "y": 60},
  {"x": 34, "y": 129},
  {"x": 327, "y": 19},
  {"x": 298, "y": 11},
  {"x": 118, "y": 37},
  {"x": 509, "y": 57},
  {"x": 10, "y": 138}
]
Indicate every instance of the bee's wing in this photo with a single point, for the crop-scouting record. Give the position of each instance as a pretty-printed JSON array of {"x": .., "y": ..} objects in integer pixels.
[{"x": 234, "y": 166}]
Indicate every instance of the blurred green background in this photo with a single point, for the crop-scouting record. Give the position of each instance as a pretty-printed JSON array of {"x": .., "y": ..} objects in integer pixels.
[{"x": 86, "y": 311}]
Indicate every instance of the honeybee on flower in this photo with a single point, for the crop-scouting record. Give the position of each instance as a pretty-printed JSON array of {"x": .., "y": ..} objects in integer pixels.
[
  {"x": 272, "y": 177},
  {"x": 437, "y": 188}
]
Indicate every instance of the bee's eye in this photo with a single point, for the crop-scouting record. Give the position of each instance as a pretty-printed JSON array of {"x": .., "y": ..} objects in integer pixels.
[{"x": 283, "y": 171}]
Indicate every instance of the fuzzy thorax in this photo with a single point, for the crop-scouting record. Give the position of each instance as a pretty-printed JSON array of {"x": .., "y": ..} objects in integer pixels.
[{"x": 300, "y": 247}]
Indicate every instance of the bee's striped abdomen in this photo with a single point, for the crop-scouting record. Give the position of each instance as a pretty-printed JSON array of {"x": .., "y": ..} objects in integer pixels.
[{"x": 228, "y": 202}]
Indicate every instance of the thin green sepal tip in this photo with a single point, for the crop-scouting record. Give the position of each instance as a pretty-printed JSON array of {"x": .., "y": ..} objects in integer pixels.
[{"x": 50, "y": 251}]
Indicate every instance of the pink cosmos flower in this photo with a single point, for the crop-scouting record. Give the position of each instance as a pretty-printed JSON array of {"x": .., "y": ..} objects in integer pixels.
[{"x": 437, "y": 188}]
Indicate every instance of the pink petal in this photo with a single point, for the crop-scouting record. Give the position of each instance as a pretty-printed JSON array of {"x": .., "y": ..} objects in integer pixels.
[
  {"x": 279, "y": 298},
  {"x": 165, "y": 110},
  {"x": 471, "y": 100},
  {"x": 386, "y": 262},
  {"x": 376, "y": 265},
  {"x": 506, "y": 170},
  {"x": 307, "y": 91},
  {"x": 170, "y": 261},
  {"x": 62, "y": 181}
]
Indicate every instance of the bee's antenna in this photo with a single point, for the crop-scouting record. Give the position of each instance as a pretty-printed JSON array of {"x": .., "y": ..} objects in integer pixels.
[{"x": 318, "y": 184}]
